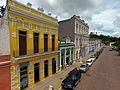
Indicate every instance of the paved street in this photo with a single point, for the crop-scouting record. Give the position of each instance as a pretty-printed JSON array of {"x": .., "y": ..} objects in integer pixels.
[{"x": 104, "y": 74}]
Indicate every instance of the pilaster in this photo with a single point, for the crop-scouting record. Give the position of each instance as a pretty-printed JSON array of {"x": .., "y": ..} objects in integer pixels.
[
  {"x": 31, "y": 75},
  {"x": 15, "y": 77},
  {"x": 42, "y": 70}
]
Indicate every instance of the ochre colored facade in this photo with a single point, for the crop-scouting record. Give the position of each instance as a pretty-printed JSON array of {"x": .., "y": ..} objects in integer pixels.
[{"x": 31, "y": 67}]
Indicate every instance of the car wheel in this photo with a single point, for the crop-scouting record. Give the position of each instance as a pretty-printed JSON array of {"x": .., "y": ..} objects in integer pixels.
[{"x": 73, "y": 88}]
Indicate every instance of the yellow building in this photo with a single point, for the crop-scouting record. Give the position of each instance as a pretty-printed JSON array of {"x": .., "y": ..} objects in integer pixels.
[{"x": 33, "y": 43}]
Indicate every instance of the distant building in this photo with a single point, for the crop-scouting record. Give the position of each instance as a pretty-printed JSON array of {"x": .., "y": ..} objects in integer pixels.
[
  {"x": 66, "y": 52},
  {"x": 78, "y": 30},
  {"x": 94, "y": 45},
  {"x": 30, "y": 38},
  {"x": 111, "y": 43}
]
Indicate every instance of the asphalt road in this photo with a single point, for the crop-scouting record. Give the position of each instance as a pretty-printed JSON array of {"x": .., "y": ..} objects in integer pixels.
[{"x": 104, "y": 74}]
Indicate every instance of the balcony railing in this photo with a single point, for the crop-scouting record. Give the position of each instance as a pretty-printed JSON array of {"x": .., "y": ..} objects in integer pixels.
[{"x": 17, "y": 53}]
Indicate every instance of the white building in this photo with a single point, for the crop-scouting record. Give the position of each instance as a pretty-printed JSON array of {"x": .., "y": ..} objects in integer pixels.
[{"x": 78, "y": 30}]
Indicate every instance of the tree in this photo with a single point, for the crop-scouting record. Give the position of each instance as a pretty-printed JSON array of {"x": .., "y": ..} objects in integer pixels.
[
  {"x": 2, "y": 9},
  {"x": 117, "y": 45},
  {"x": 105, "y": 39}
]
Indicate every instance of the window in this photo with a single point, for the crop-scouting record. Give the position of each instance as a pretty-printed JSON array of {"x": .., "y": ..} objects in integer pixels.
[
  {"x": 53, "y": 42},
  {"x": 22, "y": 43},
  {"x": 36, "y": 42},
  {"x": 76, "y": 42},
  {"x": 76, "y": 54},
  {"x": 45, "y": 42},
  {"x": 79, "y": 28},
  {"x": 76, "y": 28}
]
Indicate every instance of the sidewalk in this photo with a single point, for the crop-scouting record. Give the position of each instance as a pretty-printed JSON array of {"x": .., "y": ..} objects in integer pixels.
[{"x": 56, "y": 79}]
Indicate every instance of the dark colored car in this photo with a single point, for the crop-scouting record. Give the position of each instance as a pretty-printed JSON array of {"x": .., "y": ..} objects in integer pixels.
[
  {"x": 97, "y": 54},
  {"x": 71, "y": 80}
]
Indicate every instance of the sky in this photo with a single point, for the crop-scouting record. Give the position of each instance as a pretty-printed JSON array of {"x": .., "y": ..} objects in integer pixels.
[{"x": 103, "y": 16}]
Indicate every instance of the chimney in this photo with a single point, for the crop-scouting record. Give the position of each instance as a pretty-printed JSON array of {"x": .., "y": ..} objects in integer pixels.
[
  {"x": 49, "y": 13},
  {"x": 78, "y": 17},
  {"x": 83, "y": 21},
  {"x": 41, "y": 9},
  {"x": 56, "y": 17}
]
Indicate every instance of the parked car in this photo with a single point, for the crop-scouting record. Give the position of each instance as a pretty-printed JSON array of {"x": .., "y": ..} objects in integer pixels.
[
  {"x": 101, "y": 50},
  {"x": 84, "y": 67},
  {"x": 92, "y": 57},
  {"x": 97, "y": 54},
  {"x": 89, "y": 62},
  {"x": 72, "y": 72},
  {"x": 71, "y": 80}
]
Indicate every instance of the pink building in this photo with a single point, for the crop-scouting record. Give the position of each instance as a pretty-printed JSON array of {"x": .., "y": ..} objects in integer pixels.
[{"x": 5, "y": 77}]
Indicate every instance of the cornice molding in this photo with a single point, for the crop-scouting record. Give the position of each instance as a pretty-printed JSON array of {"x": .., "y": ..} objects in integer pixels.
[
  {"x": 14, "y": 20},
  {"x": 13, "y": 10}
]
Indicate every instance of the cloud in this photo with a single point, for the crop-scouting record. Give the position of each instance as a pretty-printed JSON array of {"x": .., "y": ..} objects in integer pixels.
[
  {"x": 116, "y": 34},
  {"x": 101, "y": 15},
  {"x": 2, "y": 2},
  {"x": 117, "y": 21}
]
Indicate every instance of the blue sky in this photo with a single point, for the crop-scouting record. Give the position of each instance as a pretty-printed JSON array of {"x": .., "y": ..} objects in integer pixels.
[{"x": 103, "y": 16}]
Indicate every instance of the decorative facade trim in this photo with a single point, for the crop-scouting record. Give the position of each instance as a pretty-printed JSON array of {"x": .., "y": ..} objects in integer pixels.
[
  {"x": 30, "y": 23},
  {"x": 13, "y": 10}
]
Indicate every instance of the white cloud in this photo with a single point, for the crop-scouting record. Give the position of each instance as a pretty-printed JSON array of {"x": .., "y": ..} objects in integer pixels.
[
  {"x": 101, "y": 15},
  {"x": 2, "y": 2}
]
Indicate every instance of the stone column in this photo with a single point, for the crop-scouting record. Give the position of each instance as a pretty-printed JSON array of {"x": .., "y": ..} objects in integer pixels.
[
  {"x": 70, "y": 54},
  {"x": 60, "y": 59},
  {"x": 15, "y": 77},
  {"x": 65, "y": 57},
  {"x": 42, "y": 70},
  {"x": 56, "y": 63},
  {"x": 31, "y": 74},
  {"x": 50, "y": 66}
]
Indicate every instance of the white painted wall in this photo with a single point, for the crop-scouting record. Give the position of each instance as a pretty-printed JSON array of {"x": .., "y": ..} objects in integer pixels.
[{"x": 4, "y": 35}]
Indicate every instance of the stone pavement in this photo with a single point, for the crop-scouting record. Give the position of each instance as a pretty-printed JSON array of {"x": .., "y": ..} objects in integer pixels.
[
  {"x": 56, "y": 79},
  {"x": 104, "y": 74}
]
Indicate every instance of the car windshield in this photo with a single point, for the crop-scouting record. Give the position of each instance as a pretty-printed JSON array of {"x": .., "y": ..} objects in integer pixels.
[
  {"x": 73, "y": 77},
  {"x": 82, "y": 66},
  {"x": 89, "y": 61}
]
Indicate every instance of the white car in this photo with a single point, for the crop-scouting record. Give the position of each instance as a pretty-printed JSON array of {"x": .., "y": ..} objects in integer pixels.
[
  {"x": 84, "y": 67},
  {"x": 92, "y": 57},
  {"x": 89, "y": 62}
]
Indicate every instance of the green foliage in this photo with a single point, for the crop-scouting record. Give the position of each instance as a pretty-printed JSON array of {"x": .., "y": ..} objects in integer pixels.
[
  {"x": 117, "y": 44},
  {"x": 2, "y": 9},
  {"x": 105, "y": 39}
]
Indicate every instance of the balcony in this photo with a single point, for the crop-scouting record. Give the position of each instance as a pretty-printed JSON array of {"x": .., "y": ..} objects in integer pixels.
[{"x": 30, "y": 53}]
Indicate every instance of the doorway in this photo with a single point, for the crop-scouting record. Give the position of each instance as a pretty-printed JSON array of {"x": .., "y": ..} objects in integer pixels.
[
  {"x": 53, "y": 66},
  {"x": 46, "y": 68},
  {"x": 22, "y": 43},
  {"x": 36, "y": 72}
]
